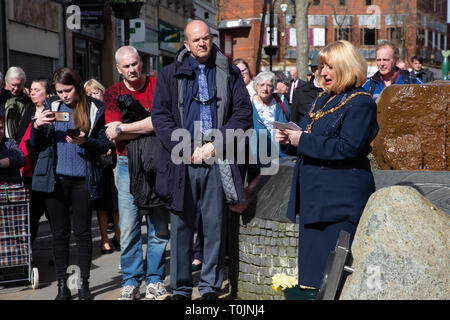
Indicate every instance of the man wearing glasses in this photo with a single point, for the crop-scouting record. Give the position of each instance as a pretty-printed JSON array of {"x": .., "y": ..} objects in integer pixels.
[{"x": 200, "y": 87}]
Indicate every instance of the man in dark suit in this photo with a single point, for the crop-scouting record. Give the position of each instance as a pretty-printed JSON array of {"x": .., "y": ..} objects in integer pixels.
[
  {"x": 200, "y": 86},
  {"x": 424, "y": 74},
  {"x": 295, "y": 82},
  {"x": 305, "y": 93}
]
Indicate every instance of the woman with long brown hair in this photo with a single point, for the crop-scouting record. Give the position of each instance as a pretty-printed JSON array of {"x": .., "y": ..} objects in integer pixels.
[{"x": 70, "y": 137}]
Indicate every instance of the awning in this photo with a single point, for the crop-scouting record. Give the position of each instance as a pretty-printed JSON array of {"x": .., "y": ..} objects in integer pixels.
[{"x": 240, "y": 23}]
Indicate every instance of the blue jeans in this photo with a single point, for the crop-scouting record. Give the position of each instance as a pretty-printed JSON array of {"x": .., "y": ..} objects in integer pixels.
[{"x": 136, "y": 267}]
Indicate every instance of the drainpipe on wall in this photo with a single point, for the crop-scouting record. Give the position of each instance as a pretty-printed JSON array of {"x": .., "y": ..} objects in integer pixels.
[{"x": 4, "y": 43}]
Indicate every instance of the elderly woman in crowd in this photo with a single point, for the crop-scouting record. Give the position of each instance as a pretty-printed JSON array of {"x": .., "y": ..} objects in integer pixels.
[
  {"x": 107, "y": 206},
  {"x": 332, "y": 178},
  {"x": 267, "y": 108},
  {"x": 246, "y": 75},
  {"x": 40, "y": 90}
]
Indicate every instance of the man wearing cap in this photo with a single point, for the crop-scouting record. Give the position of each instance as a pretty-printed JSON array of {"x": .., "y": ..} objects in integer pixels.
[{"x": 305, "y": 93}]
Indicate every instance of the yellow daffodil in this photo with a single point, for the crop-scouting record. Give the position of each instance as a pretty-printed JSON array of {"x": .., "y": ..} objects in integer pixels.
[{"x": 281, "y": 281}]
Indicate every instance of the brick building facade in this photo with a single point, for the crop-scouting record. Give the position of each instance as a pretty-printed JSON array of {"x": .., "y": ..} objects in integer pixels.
[{"x": 419, "y": 27}]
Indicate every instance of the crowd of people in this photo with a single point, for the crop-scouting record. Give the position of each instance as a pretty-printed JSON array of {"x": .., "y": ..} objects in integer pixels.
[{"x": 79, "y": 147}]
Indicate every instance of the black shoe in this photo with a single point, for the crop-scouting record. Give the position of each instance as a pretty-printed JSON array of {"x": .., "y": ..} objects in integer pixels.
[
  {"x": 106, "y": 251},
  {"x": 196, "y": 267},
  {"x": 63, "y": 291},
  {"x": 179, "y": 297},
  {"x": 116, "y": 244},
  {"x": 84, "y": 293},
  {"x": 210, "y": 296}
]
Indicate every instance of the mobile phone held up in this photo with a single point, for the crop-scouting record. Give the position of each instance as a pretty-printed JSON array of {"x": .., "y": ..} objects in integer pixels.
[
  {"x": 73, "y": 133},
  {"x": 61, "y": 116}
]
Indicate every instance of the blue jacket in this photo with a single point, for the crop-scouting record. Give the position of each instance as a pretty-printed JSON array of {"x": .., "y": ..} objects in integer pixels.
[
  {"x": 10, "y": 149},
  {"x": 332, "y": 179},
  {"x": 43, "y": 139},
  {"x": 234, "y": 111},
  {"x": 258, "y": 124},
  {"x": 379, "y": 86}
]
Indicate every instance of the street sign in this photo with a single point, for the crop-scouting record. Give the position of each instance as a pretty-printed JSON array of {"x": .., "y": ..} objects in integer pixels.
[
  {"x": 137, "y": 30},
  {"x": 170, "y": 35}
]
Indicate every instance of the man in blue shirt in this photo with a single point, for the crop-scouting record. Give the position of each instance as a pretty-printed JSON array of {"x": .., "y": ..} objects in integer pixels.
[{"x": 388, "y": 73}]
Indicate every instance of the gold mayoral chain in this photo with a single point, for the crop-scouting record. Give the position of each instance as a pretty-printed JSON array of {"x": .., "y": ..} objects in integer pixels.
[{"x": 320, "y": 113}]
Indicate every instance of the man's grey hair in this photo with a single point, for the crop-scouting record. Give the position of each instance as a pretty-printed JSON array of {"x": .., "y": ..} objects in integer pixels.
[
  {"x": 264, "y": 76},
  {"x": 125, "y": 50},
  {"x": 392, "y": 45},
  {"x": 15, "y": 73}
]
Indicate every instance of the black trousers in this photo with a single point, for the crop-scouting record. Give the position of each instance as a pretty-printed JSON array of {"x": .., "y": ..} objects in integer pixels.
[
  {"x": 70, "y": 193},
  {"x": 37, "y": 209}
]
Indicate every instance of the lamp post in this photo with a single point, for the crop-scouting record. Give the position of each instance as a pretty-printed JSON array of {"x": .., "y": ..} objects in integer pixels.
[
  {"x": 271, "y": 50},
  {"x": 445, "y": 64},
  {"x": 284, "y": 7},
  {"x": 126, "y": 10}
]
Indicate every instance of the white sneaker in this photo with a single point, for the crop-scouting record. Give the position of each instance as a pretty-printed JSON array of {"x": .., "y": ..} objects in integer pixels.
[
  {"x": 156, "y": 291},
  {"x": 129, "y": 293}
]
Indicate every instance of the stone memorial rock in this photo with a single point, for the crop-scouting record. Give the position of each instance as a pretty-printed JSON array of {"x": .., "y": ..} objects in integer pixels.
[
  {"x": 414, "y": 125},
  {"x": 401, "y": 249}
]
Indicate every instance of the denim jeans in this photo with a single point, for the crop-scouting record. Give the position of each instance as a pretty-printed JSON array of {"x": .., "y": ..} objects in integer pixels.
[{"x": 136, "y": 267}]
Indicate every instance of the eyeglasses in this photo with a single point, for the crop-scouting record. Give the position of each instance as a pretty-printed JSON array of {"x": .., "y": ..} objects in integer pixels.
[
  {"x": 244, "y": 72},
  {"x": 200, "y": 101},
  {"x": 260, "y": 85}
]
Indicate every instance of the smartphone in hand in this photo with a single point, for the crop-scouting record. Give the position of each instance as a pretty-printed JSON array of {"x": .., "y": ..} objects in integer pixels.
[
  {"x": 61, "y": 116},
  {"x": 73, "y": 133}
]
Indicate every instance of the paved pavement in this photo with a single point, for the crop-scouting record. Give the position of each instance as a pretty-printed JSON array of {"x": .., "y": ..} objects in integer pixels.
[{"x": 105, "y": 281}]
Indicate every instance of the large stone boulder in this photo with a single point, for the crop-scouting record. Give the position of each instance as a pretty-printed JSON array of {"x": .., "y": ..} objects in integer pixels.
[
  {"x": 414, "y": 125},
  {"x": 401, "y": 249}
]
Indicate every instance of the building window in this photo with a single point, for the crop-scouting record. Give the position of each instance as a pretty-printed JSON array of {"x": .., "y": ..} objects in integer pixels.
[
  {"x": 396, "y": 2},
  {"x": 369, "y": 2},
  {"x": 316, "y": 2},
  {"x": 87, "y": 58},
  {"x": 342, "y": 2},
  {"x": 369, "y": 36},
  {"x": 420, "y": 38},
  {"x": 394, "y": 34},
  {"x": 343, "y": 34}
]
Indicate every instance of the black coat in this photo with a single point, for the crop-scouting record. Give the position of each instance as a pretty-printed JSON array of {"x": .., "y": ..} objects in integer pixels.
[
  {"x": 304, "y": 95},
  {"x": 425, "y": 75},
  {"x": 233, "y": 104}
]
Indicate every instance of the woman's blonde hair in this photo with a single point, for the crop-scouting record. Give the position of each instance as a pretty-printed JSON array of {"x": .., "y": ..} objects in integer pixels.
[
  {"x": 350, "y": 68},
  {"x": 94, "y": 84}
]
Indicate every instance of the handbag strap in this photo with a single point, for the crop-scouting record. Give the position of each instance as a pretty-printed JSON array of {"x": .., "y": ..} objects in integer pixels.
[{"x": 280, "y": 102}]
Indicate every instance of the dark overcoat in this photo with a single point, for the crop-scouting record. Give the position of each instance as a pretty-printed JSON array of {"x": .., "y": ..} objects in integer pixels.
[
  {"x": 332, "y": 178},
  {"x": 234, "y": 111}
]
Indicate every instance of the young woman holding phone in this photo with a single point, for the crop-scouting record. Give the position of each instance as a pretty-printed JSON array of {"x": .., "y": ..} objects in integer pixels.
[{"x": 67, "y": 172}]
